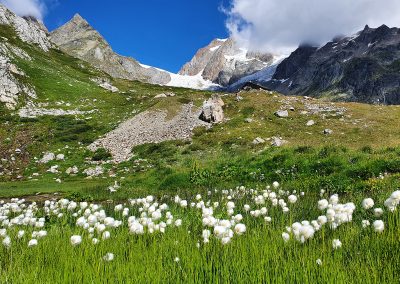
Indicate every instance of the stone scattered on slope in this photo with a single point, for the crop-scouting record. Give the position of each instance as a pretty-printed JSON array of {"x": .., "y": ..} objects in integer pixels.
[
  {"x": 47, "y": 157},
  {"x": 72, "y": 170},
  {"x": 60, "y": 157},
  {"x": 310, "y": 123},
  {"x": 164, "y": 95},
  {"x": 148, "y": 127},
  {"x": 109, "y": 87},
  {"x": 32, "y": 111},
  {"x": 160, "y": 96},
  {"x": 212, "y": 111},
  {"x": 278, "y": 142},
  {"x": 258, "y": 141},
  {"x": 282, "y": 113},
  {"x": 328, "y": 131},
  {"x": 94, "y": 172}
]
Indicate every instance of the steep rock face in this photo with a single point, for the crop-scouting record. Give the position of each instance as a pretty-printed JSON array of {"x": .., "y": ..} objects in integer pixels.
[
  {"x": 363, "y": 68},
  {"x": 224, "y": 63},
  {"x": 80, "y": 40},
  {"x": 10, "y": 86},
  {"x": 28, "y": 30}
]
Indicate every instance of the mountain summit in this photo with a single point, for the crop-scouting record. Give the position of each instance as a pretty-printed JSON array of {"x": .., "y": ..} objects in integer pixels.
[
  {"x": 79, "y": 39},
  {"x": 364, "y": 67},
  {"x": 224, "y": 62}
]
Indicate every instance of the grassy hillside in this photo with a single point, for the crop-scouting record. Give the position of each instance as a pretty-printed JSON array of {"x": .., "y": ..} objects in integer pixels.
[
  {"x": 363, "y": 144},
  {"x": 358, "y": 157}
]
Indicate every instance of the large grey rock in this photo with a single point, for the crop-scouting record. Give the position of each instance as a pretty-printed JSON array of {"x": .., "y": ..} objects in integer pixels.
[
  {"x": 278, "y": 142},
  {"x": 282, "y": 113},
  {"x": 212, "y": 111},
  {"x": 310, "y": 123},
  {"x": 80, "y": 40}
]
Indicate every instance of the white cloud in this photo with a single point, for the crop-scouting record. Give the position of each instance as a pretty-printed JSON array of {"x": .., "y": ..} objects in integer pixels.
[
  {"x": 281, "y": 25},
  {"x": 35, "y": 8}
]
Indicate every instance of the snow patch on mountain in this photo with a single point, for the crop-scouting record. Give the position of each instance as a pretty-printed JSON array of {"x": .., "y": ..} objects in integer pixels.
[
  {"x": 263, "y": 75},
  {"x": 192, "y": 82}
]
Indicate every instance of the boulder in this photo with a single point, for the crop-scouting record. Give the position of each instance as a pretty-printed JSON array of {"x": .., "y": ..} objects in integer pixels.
[
  {"x": 160, "y": 96},
  {"x": 109, "y": 87},
  {"x": 310, "y": 123},
  {"x": 72, "y": 170},
  {"x": 282, "y": 113},
  {"x": 258, "y": 140},
  {"x": 212, "y": 111},
  {"x": 328, "y": 131},
  {"x": 47, "y": 158},
  {"x": 278, "y": 141},
  {"x": 60, "y": 157}
]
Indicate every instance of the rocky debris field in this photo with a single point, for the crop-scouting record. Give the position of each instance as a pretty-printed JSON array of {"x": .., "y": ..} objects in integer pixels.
[{"x": 149, "y": 127}]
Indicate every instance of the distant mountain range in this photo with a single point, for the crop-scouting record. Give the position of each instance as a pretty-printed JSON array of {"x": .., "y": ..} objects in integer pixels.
[
  {"x": 218, "y": 64},
  {"x": 364, "y": 67}
]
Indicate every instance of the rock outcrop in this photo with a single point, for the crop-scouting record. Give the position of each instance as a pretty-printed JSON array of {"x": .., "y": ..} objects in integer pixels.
[
  {"x": 29, "y": 30},
  {"x": 362, "y": 68},
  {"x": 10, "y": 87},
  {"x": 212, "y": 111},
  {"x": 77, "y": 38},
  {"x": 224, "y": 63}
]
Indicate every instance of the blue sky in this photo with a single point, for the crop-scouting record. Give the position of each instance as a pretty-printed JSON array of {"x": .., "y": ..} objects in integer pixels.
[{"x": 161, "y": 33}]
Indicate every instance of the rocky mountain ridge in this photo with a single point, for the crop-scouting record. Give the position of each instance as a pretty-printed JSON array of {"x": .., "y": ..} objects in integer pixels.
[
  {"x": 364, "y": 68},
  {"x": 78, "y": 38},
  {"x": 224, "y": 62},
  {"x": 29, "y": 31}
]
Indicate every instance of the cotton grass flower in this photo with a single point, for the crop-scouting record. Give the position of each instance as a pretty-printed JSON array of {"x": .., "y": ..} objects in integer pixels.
[
  {"x": 323, "y": 204},
  {"x": 106, "y": 235},
  {"x": 378, "y": 212},
  {"x": 365, "y": 223},
  {"x": 7, "y": 242},
  {"x": 76, "y": 240},
  {"x": 379, "y": 226},
  {"x": 285, "y": 237},
  {"x": 336, "y": 243},
  {"x": 32, "y": 243},
  {"x": 368, "y": 203},
  {"x": 20, "y": 234},
  {"x": 240, "y": 229},
  {"x": 108, "y": 257},
  {"x": 292, "y": 199}
]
